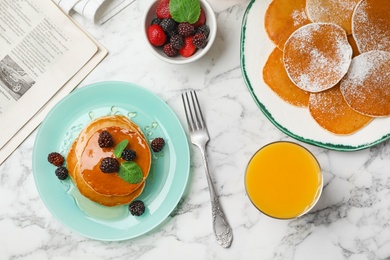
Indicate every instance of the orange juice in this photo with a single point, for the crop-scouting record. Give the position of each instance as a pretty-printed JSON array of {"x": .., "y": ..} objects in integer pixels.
[{"x": 283, "y": 180}]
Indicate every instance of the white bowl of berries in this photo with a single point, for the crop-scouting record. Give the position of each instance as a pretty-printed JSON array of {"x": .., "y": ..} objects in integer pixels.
[{"x": 179, "y": 31}]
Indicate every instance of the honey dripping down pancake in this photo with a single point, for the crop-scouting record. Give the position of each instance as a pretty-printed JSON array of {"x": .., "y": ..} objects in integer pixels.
[
  {"x": 329, "y": 109},
  {"x": 275, "y": 76},
  {"x": 282, "y": 18},
  {"x": 366, "y": 87},
  {"x": 85, "y": 155},
  {"x": 91, "y": 194},
  {"x": 371, "y": 25},
  {"x": 332, "y": 11},
  {"x": 317, "y": 56}
]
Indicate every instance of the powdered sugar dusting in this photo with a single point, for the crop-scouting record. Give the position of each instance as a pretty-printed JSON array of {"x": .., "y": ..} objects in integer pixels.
[
  {"x": 332, "y": 11},
  {"x": 371, "y": 25},
  {"x": 318, "y": 9},
  {"x": 317, "y": 56},
  {"x": 299, "y": 17},
  {"x": 366, "y": 86}
]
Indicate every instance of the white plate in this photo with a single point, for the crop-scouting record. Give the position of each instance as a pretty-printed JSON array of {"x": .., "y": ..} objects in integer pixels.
[{"x": 293, "y": 121}]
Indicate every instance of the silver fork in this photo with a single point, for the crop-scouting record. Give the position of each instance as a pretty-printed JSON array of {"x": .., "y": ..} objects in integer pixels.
[{"x": 200, "y": 137}]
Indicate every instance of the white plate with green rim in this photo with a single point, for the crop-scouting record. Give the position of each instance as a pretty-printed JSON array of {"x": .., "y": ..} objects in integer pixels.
[{"x": 293, "y": 121}]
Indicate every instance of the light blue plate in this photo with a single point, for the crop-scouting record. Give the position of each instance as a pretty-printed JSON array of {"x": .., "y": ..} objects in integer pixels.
[{"x": 167, "y": 179}]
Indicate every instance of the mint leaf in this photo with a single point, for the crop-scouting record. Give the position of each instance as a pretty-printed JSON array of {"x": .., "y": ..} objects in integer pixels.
[
  {"x": 120, "y": 147},
  {"x": 184, "y": 10},
  {"x": 130, "y": 172}
]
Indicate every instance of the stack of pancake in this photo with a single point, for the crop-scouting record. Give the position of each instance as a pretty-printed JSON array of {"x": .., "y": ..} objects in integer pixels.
[
  {"x": 85, "y": 155},
  {"x": 332, "y": 56}
]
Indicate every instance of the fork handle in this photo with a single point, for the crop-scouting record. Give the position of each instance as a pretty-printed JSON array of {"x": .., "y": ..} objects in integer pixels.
[{"x": 222, "y": 231}]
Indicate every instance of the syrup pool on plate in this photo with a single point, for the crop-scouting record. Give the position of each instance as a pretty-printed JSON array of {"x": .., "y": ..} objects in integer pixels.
[
  {"x": 283, "y": 180},
  {"x": 98, "y": 211}
]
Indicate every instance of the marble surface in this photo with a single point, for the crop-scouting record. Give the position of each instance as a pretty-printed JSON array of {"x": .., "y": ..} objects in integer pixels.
[{"x": 350, "y": 221}]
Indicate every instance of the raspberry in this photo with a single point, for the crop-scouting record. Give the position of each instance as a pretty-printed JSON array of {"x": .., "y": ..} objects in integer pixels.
[
  {"x": 185, "y": 29},
  {"x": 188, "y": 49},
  {"x": 109, "y": 165},
  {"x": 157, "y": 144},
  {"x": 62, "y": 173},
  {"x": 169, "y": 50},
  {"x": 55, "y": 159},
  {"x": 201, "y": 19},
  {"x": 128, "y": 154},
  {"x": 168, "y": 25},
  {"x": 199, "y": 40},
  {"x": 137, "y": 208},
  {"x": 156, "y": 35},
  {"x": 204, "y": 29},
  {"x": 177, "y": 41},
  {"x": 162, "y": 9},
  {"x": 105, "y": 140}
]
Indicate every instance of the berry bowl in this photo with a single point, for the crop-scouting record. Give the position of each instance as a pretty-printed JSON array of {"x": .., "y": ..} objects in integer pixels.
[{"x": 178, "y": 42}]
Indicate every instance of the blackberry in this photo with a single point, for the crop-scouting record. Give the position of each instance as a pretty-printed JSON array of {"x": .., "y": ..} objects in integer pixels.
[
  {"x": 157, "y": 144},
  {"x": 177, "y": 41},
  {"x": 109, "y": 165},
  {"x": 204, "y": 29},
  {"x": 169, "y": 50},
  {"x": 55, "y": 159},
  {"x": 156, "y": 21},
  {"x": 105, "y": 140},
  {"x": 185, "y": 29},
  {"x": 62, "y": 173},
  {"x": 199, "y": 40},
  {"x": 137, "y": 208},
  {"x": 168, "y": 25},
  {"x": 128, "y": 154}
]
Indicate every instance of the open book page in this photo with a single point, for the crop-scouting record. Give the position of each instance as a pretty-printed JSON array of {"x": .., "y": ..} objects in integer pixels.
[
  {"x": 41, "y": 49},
  {"x": 65, "y": 73},
  {"x": 33, "y": 123}
]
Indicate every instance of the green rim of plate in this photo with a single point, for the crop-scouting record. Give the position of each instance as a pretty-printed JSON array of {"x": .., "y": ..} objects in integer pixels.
[
  {"x": 268, "y": 114},
  {"x": 171, "y": 169}
]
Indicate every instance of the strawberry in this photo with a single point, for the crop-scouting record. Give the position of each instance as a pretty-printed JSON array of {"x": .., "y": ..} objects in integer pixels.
[
  {"x": 189, "y": 48},
  {"x": 162, "y": 9},
  {"x": 156, "y": 35},
  {"x": 201, "y": 19}
]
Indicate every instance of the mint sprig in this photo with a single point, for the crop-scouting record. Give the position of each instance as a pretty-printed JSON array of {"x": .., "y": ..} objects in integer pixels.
[
  {"x": 120, "y": 147},
  {"x": 184, "y": 10},
  {"x": 130, "y": 172}
]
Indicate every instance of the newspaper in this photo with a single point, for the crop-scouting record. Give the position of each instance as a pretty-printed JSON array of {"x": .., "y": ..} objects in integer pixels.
[
  {"x": 97, "y": 11},
  {"x": 43, "y": 56}
]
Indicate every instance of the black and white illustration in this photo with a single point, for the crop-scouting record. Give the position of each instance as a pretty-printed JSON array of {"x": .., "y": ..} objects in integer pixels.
[{"x": 13, "y": 78}]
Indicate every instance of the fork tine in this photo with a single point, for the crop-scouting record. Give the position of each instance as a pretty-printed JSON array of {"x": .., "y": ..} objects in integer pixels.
[
  {"x": 187, "y": 109},
  {"x": 198, "y": 111}
]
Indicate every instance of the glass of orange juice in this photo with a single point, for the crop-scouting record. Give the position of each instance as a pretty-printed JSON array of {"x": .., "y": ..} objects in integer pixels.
[{"x": 283, "y": 180}]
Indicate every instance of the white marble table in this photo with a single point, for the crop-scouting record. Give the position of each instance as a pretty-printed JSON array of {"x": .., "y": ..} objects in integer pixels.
[{"x": 351, "y": 220}]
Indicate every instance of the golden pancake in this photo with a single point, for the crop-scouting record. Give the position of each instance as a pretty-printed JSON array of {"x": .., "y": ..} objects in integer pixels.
[
  {"x": 366, "y": 87},
  {"x": 330, "y": 111},
  {"x": 332, "y": 11},
  {"x": 84, "y": 158},
  {"x": 112, "y": 184},
  {"x": 275, "y": 76},
  {"x": 317, "y": 56},
  {"x": 100, "y": 123},
  {"x": 282, "y": 18},
  {"x": 89, "y": 193},
  {"x": 371, "y": 25}
]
